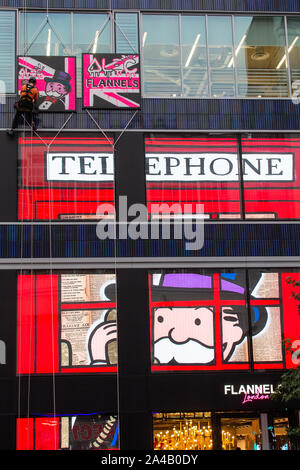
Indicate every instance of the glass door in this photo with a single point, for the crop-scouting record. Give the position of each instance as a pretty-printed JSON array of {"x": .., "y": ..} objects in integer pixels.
[{"x": 241, "y": 433}]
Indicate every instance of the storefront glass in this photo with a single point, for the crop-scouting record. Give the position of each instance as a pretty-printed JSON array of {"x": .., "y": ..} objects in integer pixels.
[
  {"x": 242, "y": 433},
  {"x": 182, "y": 431}
]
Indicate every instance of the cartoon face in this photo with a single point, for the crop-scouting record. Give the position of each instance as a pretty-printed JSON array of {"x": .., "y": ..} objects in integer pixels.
[
  {"x": 186, "y": 334},
  {"x": 55, "y": 89}
]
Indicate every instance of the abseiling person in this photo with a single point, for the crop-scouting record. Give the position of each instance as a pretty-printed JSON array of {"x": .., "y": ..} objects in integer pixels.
[{"x": 29, "y": 96}]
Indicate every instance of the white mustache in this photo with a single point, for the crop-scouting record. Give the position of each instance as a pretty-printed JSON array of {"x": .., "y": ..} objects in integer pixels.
[
  {"x": 190, "y": 352},
  {"x": 53, "y": 93}
]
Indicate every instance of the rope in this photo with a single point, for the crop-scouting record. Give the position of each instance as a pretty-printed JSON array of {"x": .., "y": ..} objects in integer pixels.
[{"x": 50, "y": 209}]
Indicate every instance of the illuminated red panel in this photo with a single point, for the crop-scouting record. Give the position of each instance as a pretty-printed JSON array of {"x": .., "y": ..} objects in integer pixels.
[
  {"x": 40, "y": 198},
  {"x": 39, "y": 339},
  {"x": 25, "y": 433},
  {"x": 278, "y": 194},
  {"x": 26, "y": 325},
  {"x": 46, "y": 323},
  {"x": 46, "y": 433},
  {"x": 218, "y": 197}
]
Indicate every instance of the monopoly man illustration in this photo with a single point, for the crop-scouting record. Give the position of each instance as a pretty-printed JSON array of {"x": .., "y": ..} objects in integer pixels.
[
  {"x": 55, "y": 80},
  {"x": 185, "y": 309}
]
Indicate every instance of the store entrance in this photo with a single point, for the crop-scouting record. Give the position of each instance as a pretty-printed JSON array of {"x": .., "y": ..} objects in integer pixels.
[
  {"x": 253, "y": 431},
  {"x": 241, "y": 433}
]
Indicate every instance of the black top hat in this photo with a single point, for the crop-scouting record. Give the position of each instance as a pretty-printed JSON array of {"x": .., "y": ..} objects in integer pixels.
[{"x": 61, "y": 77}]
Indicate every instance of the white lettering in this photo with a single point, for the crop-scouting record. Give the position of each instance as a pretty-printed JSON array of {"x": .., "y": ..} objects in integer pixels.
[
  {"x": 219, "y": 167},
  {"x": 80, "y": 166},
  {"x": 183, "y": 167}
]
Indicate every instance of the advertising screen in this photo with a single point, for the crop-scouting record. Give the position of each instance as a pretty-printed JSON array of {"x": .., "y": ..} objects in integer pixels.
[
  {"x": 222, "y": 320},
  {"x": 111, "y": 81},
  {"x": 64, "y": 178},
  {"x": 55, "y": 79},
  {"x": 98, "y": 431},
  {"x": 67, "y": 323},
  {"x": 260, "y": 180}
]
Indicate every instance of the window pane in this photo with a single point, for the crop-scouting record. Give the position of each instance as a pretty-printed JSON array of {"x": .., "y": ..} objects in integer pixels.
[
  {"x": 220, "y": 48},
  {"x": 194, "y": 56},
  {"x": 294, "y": 53},
  {"x": 260, "y": 55},
  {"x": 41, "y": 37},
  {"x": 7, "y": 51},
  {"x": 91, "y": 34},
  {"x": 182, "y": 431},
  {"x": 126, "y": 28},
  {"x": 161, "y": 55}
]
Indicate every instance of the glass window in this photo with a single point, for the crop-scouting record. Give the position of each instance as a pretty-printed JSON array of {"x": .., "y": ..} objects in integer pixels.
[
  {"x": 126, "y": 30},
  {"x": 194, "y": 56},
  {"x": 241, "y": 433},
  {"x": 40, "y": 35},
  {"x": 161, "y": 55},
  {"x": 7, "y": 51},
  {"x": 182, "y": 431},
  {"x": 91, "y": 33},
  {"x": 260, "y": 56},
  {"x": 220, "y": 52},
  {"x": 293, "y": 27},
  {"x": 72, "y": 327}
]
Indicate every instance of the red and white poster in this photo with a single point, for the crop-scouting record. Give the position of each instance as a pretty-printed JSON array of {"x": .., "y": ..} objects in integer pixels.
[
  {"x": 111, "y": 81},
  {"x": 55, "y": 79}
]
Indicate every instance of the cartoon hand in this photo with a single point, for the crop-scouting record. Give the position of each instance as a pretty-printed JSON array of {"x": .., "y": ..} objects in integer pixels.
[{"x": 99, "y": 339}]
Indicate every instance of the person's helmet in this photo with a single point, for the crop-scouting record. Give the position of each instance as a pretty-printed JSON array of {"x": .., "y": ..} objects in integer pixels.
[{"x": 32, "y": 80}]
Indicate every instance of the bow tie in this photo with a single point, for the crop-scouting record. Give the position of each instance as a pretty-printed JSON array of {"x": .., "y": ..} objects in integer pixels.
[{"x": 50, "y": 98}]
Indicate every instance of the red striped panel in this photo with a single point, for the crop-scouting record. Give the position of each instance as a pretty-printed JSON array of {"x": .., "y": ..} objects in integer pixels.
[
  {"x": 47, "y": 354},
  {"x": 26, "y": 325},
  {"x": 46, "y": 433},
  {"x": 25, "y": 434}
]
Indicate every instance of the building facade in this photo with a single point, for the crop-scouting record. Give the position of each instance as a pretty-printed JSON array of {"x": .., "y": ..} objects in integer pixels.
[{"x": 149, "y": 239}]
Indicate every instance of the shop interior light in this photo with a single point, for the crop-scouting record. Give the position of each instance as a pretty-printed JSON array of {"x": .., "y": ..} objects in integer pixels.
[
  {"x": 144, "y": 37},
  {"x": 48, "y": 47},
  {"x": 289, "y": 50},
  {"x": 192, "y": 50},
  {"x": 237, "y": 50},
  {"x": 95, "y": 42}
]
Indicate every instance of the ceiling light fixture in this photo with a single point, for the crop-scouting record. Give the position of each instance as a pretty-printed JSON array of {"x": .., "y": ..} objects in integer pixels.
[
  {"x": 289, "y": 50},
  {"x": 192, "y": 50},
  {"x": 237, "y": 50}
]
